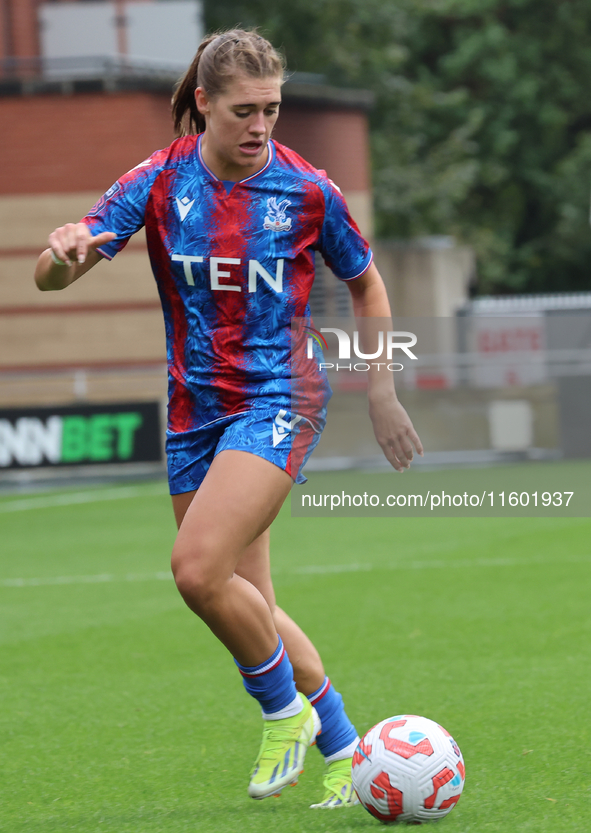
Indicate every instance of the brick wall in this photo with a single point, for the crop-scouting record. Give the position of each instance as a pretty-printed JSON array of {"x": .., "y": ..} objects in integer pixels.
[
  {"x": 331, "y": 139},
  {"x": 19, "y": 32},
  {"x": 64, "y": 144}
]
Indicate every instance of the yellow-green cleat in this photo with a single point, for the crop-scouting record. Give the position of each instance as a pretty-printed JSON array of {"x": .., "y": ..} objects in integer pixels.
[
  {"x": 338, "y": 788},
  {"x": 281, "y": 756}
]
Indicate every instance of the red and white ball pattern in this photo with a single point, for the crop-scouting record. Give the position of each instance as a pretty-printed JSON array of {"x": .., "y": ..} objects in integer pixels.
[{"x": 408, "y": 768}]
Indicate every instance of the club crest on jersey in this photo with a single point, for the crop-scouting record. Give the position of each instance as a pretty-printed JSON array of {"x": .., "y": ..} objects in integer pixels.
[{"x": 276, "y": 219}]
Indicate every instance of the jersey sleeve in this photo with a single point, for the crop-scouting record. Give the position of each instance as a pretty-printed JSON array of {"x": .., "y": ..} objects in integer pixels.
[
  {"x": 341, "y": 244},
  {"x": 122, "y": 208}
]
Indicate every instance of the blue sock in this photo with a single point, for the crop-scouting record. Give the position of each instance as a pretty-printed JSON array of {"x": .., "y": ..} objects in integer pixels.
[
  {"x": 337, "y": 730},
  {"x": 271, "y": 682}
]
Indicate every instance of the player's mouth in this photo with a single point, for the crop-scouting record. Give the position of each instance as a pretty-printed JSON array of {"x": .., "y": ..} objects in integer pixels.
[{"x": 251, "y": 148}]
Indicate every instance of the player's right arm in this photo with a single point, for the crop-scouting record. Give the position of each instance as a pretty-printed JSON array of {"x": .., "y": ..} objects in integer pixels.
[{"x": 76, "y": 247}]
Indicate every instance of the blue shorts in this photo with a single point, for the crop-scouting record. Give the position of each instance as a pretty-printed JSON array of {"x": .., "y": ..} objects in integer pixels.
[{"x": 273, "y": 433}]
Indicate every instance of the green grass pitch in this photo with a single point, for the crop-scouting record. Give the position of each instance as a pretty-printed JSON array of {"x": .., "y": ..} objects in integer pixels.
[{"x": 120, "y": 712}]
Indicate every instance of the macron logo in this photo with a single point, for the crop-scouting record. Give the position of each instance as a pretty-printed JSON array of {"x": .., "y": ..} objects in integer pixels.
[
  {"x": 184, "y": 206},
  {"x": 281, "y": 428}
]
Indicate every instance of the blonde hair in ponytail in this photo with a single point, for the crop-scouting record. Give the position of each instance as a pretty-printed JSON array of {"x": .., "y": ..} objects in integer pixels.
[{"x": 220, "y": 57}]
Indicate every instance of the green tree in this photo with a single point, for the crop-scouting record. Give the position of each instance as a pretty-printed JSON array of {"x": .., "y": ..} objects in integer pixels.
[{"x": 482, "y": 123}]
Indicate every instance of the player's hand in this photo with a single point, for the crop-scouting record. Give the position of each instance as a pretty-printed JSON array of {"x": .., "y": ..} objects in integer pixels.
[
  {"x": 72, "y": 242},
  {"x": 394, "y": 430}
]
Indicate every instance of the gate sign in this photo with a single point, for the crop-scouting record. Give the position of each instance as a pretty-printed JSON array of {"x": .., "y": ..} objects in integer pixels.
[
  {"x": 80, "y": 435},
  {"x": 509, "y": 350}
]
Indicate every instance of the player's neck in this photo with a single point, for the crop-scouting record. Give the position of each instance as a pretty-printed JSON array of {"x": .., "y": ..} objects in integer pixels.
[{"x": 227, "y": 170}]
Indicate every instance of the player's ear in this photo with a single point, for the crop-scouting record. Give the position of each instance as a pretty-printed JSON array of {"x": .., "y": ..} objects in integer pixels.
[{"x": 202, "y": 101}]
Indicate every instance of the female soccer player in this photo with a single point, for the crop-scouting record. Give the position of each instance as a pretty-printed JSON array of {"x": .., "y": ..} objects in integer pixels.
[{"x": 232, "y": 222}]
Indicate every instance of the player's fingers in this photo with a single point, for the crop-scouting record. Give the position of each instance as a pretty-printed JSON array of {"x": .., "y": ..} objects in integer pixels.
[
  {"x": 102, "y": 238},
  {"x": 58, "y": 247},
  {"x": 83, "y": 237},
  {"x": 416, "y": 441},
  {"x": 391, "y": 457},
  {"x": 402, "y": 449},
  {"x": 406, "y": 449},
  {"x": 71, "y": 239}
]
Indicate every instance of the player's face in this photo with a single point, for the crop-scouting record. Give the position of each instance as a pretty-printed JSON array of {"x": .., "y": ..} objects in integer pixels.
[{"x": 239, "y": 122}]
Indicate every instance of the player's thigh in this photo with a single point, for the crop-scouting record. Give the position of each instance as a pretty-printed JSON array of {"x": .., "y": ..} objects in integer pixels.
[
  {"x": 255, "y": 562},
  {"x": 236, "y": 502},
  {"x": 180, "y": 504}
]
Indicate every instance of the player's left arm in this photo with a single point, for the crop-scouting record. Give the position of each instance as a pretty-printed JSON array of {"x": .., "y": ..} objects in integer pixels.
[{"x": 392, "y": 426}]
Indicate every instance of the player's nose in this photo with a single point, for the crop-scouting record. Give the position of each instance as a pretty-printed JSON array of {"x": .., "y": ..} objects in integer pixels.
[{"x": 257, "y": 125}]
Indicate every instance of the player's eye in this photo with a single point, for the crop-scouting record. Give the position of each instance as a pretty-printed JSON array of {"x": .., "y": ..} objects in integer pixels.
[{"x": 242, "y": 114}]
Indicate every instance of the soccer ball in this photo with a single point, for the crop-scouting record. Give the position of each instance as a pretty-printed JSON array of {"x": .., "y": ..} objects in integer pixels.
[{"x": 409, "y": 769}]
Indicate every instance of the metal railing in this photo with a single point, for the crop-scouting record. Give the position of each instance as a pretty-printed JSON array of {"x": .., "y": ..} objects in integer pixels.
[
  {"x": 117, "y": 381},
  {"x": 97, "y": 66}
]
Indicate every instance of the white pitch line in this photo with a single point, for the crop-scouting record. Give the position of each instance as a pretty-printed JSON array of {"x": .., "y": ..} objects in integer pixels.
[
  {"x": 435, "y": 565},
  {"x": 314, "y": 569},
  {"x": 102, "y": 578},
  {"x": 72, "y": 498},
  {"x": 329, "y": 569}
]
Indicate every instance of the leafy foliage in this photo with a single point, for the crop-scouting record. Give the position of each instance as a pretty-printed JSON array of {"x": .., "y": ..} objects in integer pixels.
[{"x": 482, "y": 126}]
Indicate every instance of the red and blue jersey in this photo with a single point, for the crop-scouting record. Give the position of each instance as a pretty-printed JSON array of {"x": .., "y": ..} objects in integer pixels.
[{"x": 234, "y": 263}]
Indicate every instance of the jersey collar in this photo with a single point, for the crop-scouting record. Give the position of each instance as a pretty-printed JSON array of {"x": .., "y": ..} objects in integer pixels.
[{"x": 267, "y": 165}]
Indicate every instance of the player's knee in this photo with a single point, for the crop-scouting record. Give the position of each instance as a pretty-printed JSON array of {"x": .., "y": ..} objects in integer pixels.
[
  {"x": 195, "y": 576},
  {"x": 198, "y": 590}
]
